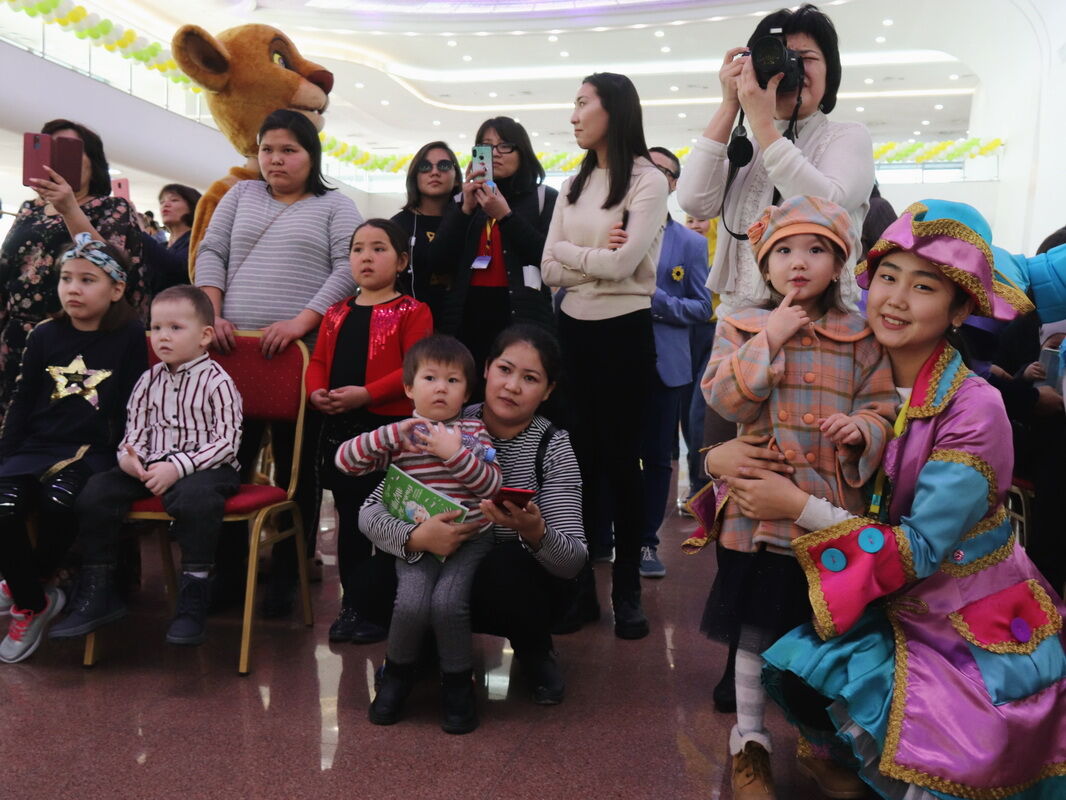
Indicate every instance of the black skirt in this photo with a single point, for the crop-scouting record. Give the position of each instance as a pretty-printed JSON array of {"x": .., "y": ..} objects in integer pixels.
[{"x": 756, "y": 599}]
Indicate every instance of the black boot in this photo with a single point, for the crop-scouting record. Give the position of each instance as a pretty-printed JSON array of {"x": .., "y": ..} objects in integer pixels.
[
  {"x": 544, "y": 677},
  {"x": 586, "y": 606},
  {"x": 725, "y": 693},
  {"x": 190, "y": 618},
  {"x": 458, "y": 713},
  {"x": 629, "y": 619},
  {"x": 95, "y": 603},
  {"x": 394, "y": 683}
]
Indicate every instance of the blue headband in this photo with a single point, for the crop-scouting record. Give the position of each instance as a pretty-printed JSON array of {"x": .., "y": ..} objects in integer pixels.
[{"x": 92, "y": 250}]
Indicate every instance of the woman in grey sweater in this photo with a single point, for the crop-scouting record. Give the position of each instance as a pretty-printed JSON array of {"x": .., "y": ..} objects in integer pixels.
[{"x": 274, "y": 258}]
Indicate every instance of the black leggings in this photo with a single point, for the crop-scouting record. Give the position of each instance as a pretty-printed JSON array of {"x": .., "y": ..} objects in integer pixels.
[
  {"x": 805, "y": 704},
  {"x": 23, "y": 565},
  {"x": 610, "y": 364}
]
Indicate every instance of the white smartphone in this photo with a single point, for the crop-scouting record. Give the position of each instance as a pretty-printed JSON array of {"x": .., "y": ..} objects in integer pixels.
[{"x": 482, "y": 157}]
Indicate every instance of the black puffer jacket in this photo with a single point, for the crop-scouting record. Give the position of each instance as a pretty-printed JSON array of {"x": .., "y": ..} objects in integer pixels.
[{"x": 524, "y": 231}]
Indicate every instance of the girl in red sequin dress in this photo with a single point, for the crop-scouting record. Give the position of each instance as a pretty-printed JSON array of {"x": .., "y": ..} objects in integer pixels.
[{"x": 355, "y": 379}]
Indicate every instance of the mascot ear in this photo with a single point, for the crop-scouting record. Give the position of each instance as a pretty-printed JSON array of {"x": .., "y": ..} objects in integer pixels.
[{"x": 202, "y": 57}]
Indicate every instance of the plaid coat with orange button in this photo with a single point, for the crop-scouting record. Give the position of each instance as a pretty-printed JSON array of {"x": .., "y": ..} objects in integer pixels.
[{"x": 833, "y": 366}]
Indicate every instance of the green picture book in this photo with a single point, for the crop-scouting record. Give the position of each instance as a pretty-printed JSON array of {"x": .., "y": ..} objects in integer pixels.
[{"x": 411, "y": 500}]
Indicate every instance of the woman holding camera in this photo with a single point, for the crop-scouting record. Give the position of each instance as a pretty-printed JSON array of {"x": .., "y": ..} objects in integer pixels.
[
  {"x": 833, "y": 160},
  {"x": 490, "y": 244}
]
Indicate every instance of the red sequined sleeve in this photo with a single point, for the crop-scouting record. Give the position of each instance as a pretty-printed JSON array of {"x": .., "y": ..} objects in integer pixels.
[{"x": 408, "y": 324}]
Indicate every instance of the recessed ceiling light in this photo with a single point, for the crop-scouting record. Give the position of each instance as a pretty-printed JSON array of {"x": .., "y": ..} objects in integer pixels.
[
  {"x": 452, "y": 43},
  {"x": 925, "y": 122},
  {"x": 760, "y": 13},
  {"x": 516, "y": 119},
  {"x": 886, "y": 22},
  {"x": 384, "y": 102},
  {"x": 678, "y": 22},
  {"x": 563, "y": 54},
  {"x": 518, "y": 33},
  {"x": 938, "y": 107},
  {"x": 860, "y": 109},
  {"x": 482, "y": 33},
  {"x": 555, "y": 30},
  {"x": 534, "y": 134},
  {"x": 693, "y": 141},
  {"x": 713, "y": 19},
  {"x": 468, "y": 58},
  {"x": 674, "y": 88},
  {"x": 880, "y": 39},
  {"x": 436, "y": 122},
  {"x": 492, "y": 94},
  {"x": 462, "y": 135},
  {"x": 953, "y": 77},
  {"x": 553, "y": 38},
  {"x": 113, "y": 171},
  {"x": 360, "y": 86},
  {"x": 868, "y": 81},
  {"x": 664, "y": 49},
  {"x": 639, "y": 26},
  {"x": 917, "y": 133},
  {"x": 660, "y": 34},
  {"x": 682, "y": 115},
  {"x": 601, "y": 29}
]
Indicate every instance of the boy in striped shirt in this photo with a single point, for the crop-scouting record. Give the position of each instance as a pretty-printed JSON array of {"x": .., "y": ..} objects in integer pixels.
[
  {"x": 439, "y": 448},
  {"x": 183, "y": 428}
]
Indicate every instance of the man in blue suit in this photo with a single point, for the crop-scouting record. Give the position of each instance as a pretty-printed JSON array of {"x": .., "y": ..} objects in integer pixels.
[{"x": 681, "y": 300}]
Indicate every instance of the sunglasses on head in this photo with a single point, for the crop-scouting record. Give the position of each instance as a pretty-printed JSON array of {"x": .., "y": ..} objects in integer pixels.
[{"x": 444, "y": 165}]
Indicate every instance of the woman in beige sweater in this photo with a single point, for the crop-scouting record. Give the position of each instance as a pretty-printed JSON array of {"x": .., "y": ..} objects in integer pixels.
[{"x": 605, "y": 321}]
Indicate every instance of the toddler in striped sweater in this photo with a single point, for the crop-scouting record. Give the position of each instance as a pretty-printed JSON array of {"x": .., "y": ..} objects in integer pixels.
[{"x": 438, "y": 373}]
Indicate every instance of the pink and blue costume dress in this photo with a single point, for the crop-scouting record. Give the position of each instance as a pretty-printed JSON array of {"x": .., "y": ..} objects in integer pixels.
[{"x": 936, "y": 642}]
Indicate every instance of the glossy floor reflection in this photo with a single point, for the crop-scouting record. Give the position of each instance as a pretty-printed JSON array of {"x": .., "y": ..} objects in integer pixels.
[{"x": 156, "y": 721}]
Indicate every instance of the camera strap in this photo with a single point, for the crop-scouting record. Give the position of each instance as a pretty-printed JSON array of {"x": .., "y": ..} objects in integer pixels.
[{"x": 739, "y": 153}]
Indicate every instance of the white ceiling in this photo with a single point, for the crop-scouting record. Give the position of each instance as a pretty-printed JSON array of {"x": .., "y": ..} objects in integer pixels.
[{"x": 408, "y": 71}]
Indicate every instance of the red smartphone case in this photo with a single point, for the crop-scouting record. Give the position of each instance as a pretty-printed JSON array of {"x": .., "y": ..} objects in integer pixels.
[{"x": 62, "y": 154}]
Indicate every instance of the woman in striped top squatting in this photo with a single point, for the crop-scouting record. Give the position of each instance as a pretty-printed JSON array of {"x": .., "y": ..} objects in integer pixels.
[
  {"x": 810, "y": 376},
  {"x": 438, "y": 374}
]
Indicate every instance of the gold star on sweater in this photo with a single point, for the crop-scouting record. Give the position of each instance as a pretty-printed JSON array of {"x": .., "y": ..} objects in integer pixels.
[{"x": 77, "y": 379}]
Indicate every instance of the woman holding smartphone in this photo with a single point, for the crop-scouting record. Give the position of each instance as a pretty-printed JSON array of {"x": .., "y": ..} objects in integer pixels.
[
  {"x": 490, "y": 244},
  {"x": 605, "y": 321}
]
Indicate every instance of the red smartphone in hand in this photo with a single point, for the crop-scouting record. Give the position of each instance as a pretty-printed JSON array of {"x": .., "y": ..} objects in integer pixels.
[
  {"x": 61, "y": 153},
  {"x": 520, "y": 497}
]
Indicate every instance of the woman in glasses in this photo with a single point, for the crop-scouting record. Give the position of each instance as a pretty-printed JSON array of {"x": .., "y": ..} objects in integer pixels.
[
  {"x": 432, "y": 178},
  {"x": 491, "y": 242}
]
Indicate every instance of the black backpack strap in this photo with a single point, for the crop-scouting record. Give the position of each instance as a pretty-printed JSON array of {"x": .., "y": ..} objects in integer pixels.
[{"x": 542, "y": 450}]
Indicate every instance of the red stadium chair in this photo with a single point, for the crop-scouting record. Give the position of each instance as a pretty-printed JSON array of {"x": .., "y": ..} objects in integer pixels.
[{"x": 272, "y": 391}]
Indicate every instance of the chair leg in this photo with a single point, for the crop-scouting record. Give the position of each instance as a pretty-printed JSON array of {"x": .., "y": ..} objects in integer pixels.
[
  {"x": 301, "y": 561},
  {"x": 169, "y": 574},
  {"x": 255, "y": 527},
  {"x": 91, "y": 654}
]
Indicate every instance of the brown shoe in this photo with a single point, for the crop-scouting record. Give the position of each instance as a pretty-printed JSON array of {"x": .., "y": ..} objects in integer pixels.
[
  {"x": 834, "y": 780},
  {"x": 751, "y": 774}
]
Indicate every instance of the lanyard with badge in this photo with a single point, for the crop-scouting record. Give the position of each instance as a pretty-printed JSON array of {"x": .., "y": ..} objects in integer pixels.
[
  {"x": 879, "y": 484},
  {"x": 482, "y": 262}
]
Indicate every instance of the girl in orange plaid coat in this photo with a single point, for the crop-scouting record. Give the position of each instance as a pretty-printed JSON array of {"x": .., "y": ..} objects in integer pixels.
[{"x": 811, "y": 377}]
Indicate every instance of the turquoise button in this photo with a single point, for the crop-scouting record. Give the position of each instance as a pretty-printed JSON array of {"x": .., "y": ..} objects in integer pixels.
[
  {"x": 833, "y": 560},
  {"x": 871, "y": 540}
]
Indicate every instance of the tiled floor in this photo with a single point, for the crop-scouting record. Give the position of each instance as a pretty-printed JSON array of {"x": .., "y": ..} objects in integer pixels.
[{"x": 156, "y": 721}]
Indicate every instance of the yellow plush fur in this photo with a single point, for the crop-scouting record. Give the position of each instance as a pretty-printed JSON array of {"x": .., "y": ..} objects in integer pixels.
[{"x": 247, "y": 72}]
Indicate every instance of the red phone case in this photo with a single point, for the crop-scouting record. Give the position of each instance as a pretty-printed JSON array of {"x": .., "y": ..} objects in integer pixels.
[
  {"x": 62, "y": 154},
  {"x": 520, "y": 497}
]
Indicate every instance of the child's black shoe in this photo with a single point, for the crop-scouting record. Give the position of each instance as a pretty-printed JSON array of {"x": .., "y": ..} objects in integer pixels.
[
  {"x": 394, "y": 683},
  {"x": 458, "y": 712},
  {"x": 190, "y": 619}
]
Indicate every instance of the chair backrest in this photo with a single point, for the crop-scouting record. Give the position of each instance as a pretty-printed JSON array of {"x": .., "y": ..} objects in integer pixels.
[{"x": 271, "y": 389}]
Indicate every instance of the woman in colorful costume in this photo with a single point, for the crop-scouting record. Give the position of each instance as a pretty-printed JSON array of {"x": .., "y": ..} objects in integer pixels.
[{"x": 936, "y": 651}]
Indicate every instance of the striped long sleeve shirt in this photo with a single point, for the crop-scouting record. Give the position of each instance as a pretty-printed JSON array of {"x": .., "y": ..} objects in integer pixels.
[
  {"x": 562, "y": 551},
  {"x": 464, "y": 477},
  {"x": 190, "y": 417},
  {"x": 273, "y": 260}
]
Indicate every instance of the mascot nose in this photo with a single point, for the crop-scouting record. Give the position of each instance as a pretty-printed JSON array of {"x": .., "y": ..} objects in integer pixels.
[{"x": 322, "y": 78}]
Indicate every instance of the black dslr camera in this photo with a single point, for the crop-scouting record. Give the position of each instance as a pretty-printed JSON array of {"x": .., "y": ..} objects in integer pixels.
[{"x": 769, "y": 56}]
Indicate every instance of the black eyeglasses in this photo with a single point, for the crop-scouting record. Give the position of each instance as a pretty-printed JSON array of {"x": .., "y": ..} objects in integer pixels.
[
  {"x": 444, "y": 165},
  {"x": 503, "y": 148},
  {"x": 666, "y": 172}
]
